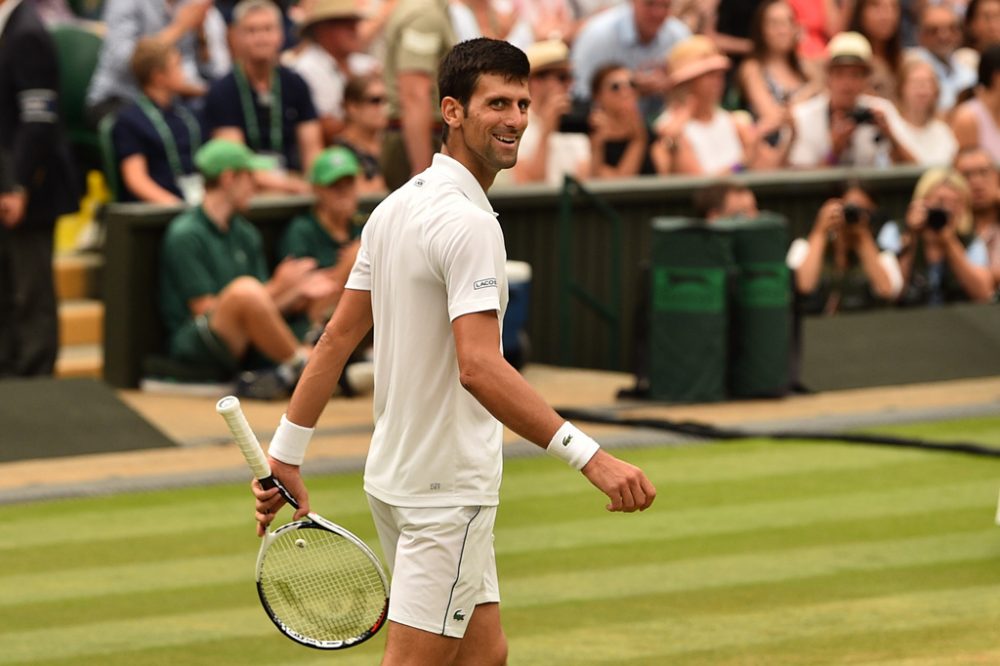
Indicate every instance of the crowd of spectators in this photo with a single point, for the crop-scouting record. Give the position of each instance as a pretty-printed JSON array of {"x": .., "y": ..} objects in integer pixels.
[{"x": 620, "y": 88}]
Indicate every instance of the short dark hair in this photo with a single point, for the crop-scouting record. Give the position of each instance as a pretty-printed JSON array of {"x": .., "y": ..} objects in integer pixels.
[
  {"x": 467, "y": 61},
  {"x": 989, "y": 65},
  {"x": 712, "y": 198}
]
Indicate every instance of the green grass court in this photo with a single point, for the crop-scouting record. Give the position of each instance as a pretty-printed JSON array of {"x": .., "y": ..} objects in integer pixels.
[{"x": 756, "y": 552}]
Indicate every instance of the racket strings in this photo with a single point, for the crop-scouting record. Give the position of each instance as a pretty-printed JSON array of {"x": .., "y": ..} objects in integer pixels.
[{"x": 321, "y": 585}]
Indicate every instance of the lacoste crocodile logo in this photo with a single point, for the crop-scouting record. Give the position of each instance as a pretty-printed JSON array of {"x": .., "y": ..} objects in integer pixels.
[
  {"x": 567, "y": 439},
  {"x": 459, "y": 615}
]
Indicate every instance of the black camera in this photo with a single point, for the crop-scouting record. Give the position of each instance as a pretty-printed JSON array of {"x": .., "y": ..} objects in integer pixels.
[
  {"x": 937, "y": 218},
  {"x": 852, "y": 214},
  {"x": 862, "y": 115}
]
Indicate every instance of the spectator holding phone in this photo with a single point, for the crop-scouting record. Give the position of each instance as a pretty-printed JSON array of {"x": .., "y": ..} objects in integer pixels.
[
  {"x": 619, "y": 137},
  {"x": 936, "y": 265},
  {"x": 547, "y": 153},
  {"x": 839, "y": 265}
]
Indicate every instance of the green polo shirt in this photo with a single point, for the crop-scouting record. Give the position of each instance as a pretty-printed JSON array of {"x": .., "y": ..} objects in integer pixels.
[
  {"x": 199, "y": 259},
  {"x": 306, "y": 237},
  {"x": 417, "y": 35}
]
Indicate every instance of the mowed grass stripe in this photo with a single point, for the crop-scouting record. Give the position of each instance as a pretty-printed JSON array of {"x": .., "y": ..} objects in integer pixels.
[
  {"x": 634, "y": 637},
  {"x": 599, "y": 527},
  {"x": 767, "y": 567}
]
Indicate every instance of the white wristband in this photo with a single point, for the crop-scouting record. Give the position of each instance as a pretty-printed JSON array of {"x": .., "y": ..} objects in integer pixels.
[
  {"x": 290, "y": 442},
  {"x": 570, "y": 445}
]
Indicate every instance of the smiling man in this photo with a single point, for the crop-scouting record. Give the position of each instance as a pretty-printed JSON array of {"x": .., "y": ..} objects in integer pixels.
[{"x": 430, "y": 277}]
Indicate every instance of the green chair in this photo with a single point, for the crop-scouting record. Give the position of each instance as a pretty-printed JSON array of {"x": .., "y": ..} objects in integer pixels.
[{"x": 78, "y": 49}]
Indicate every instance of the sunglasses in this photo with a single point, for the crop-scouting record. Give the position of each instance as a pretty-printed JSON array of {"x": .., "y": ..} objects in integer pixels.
[
  {"x": 616, "y": 86},
  {"x": 561, "y": 76}
]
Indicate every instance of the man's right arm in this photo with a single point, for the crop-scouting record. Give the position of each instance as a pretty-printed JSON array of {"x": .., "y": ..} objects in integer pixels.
[
  {"x": 514, "y": 402},
  {"x": 416, "y": 118}
]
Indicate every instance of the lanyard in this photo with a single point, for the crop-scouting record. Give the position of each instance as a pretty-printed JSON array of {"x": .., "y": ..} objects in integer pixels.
[
  {"x": 166, "y": 136},
  {"x": 250, "y": 113}
]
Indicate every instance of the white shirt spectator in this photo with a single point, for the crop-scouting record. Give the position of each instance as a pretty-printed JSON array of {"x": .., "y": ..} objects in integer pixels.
[
  {"x": 326, "y": 80},
  {"x": 812, "y": 145},
  {"x": 934, "y": 144}
]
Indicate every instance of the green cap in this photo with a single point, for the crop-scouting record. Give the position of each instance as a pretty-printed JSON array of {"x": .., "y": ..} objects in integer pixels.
[
  {"x": 333, "y": 164},
  {"x": 220, "y": 155}
]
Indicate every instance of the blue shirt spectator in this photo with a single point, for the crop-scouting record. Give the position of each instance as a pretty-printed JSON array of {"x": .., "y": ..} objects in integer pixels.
[{"x": 637, "y": 34}]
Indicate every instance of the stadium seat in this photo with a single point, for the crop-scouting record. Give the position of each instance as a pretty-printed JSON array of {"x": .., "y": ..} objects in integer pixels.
[
  {"x": 109, "y": 162},
  {"x": 78, "y": 49}
]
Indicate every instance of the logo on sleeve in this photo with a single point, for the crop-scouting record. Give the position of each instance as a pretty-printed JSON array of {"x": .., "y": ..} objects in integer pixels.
[
  {"x": 459, "y": 615},
  {"x": 485, "y": 284}
]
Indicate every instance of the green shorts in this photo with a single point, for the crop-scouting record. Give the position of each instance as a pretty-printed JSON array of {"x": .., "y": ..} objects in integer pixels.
[{"x": 196, "y": 343}]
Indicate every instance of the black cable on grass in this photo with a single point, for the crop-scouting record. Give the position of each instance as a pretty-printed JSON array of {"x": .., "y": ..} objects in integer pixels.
[{"x": 708, "y": 431}]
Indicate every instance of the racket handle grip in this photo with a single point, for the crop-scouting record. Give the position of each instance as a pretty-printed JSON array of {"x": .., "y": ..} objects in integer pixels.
[{"x": 230, "y": 410}]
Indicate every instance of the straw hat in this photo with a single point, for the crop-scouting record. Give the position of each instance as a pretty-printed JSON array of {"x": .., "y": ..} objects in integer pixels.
[
  {"x": 327, "y": 10},
  {"x": 547, "y": 53},
  {"x": 693, "y": 57},
  {"x": 849, "y": 48}
]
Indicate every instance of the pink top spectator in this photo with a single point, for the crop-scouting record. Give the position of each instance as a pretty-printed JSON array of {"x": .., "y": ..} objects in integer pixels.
[
  {"x": 989, "y": 133},
  {"x": 811, "y": 16}
]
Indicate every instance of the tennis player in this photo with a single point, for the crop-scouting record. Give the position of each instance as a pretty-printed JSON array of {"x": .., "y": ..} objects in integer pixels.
[{"x": 430, "y": 277}]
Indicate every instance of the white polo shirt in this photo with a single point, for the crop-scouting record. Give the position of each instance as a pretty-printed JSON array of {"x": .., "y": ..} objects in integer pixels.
[{"x": 431, "y": 252}]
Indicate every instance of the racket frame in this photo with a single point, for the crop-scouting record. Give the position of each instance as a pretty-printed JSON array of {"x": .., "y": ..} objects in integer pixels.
[{"x": 230, "y": 410}]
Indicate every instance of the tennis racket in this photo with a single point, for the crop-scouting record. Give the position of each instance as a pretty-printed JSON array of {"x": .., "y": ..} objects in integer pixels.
[{"x": 320, "y": 585}]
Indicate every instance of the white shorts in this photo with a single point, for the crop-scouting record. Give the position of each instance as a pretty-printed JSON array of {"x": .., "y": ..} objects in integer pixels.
[{"x": 442, "y": 564}]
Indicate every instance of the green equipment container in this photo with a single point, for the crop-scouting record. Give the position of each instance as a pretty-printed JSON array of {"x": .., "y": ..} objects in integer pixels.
[
  {"x": 760, "y": 316},
  {"x": 688, "y": 327}
]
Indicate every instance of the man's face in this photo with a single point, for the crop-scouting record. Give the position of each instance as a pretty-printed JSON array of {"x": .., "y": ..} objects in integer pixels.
[
  {"x": 240, "y": 189},
  {"x": 940, "y": 32},
  {"x": 846, "y": 83},
  {"x": 259, "y": 36},
  {"x": 649, "y": 16},
  {"x": 338, "y": 37},
  {"x": 740, "y": 203},
  {"x": 494, "y": 121},
  {"x": 339, "y": 198},
  {"x": 173, "y": 73},
  {"x": 549, "y": 83},
  {"x": 985, "y": 26},
  {"x": 984, "y": 181}
]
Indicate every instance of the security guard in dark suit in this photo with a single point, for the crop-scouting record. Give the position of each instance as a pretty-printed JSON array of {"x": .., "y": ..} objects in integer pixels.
[{"x": 37, "y": 185}]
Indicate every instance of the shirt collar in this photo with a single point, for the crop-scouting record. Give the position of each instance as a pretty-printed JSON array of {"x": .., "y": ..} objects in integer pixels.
[
  {"x": 6, "y": 9},
  {"x": 456, "y": 172}
]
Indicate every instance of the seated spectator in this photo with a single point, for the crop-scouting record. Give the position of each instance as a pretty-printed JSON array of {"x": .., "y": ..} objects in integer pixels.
[
  {"x": 195, "y": 27},
  {"x": 880, "y": 22},
  {"x": 980, "y": 172},
  {"x": 940, "y": 35},
  {"x": 328, "y": 232},
  {"x": 772, "y": 77},
  {"x": 635, "y": 34},
  {"x": 843, "y": 126},
  {"x": 487, "y": 18},
  {"x": 331, "y": 52},
  {"x": 216, "y": 299},
  {"x": 366, "y": 113},
  {"x": 936, "y": 265},
  {"x": 696, "y": 135},
  {"x": 839, "y": 265},
  {"x": 974, "y": 122},
  {"x": 155, "y": 138},
  {"x": 619, "y": 137},
  {"x": 546, "y": 153},
  {"x": 704, "y": 17},
  {"x": 927, "y": 138},
  {"x": 725, "y": 200},
  {"x": 982, "y": 26},
  {"x": 264, "y": 104}
]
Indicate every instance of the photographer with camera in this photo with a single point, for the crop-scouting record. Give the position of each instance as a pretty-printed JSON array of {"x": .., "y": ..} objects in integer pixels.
[
  {"x": 937, "y": 266},
  {"x": 839, "y": 265},
  {"x": 843, "y": 126}
]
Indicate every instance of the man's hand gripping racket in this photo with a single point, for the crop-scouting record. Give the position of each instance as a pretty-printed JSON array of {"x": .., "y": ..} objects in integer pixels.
[{"x": 319, "y": 584}]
